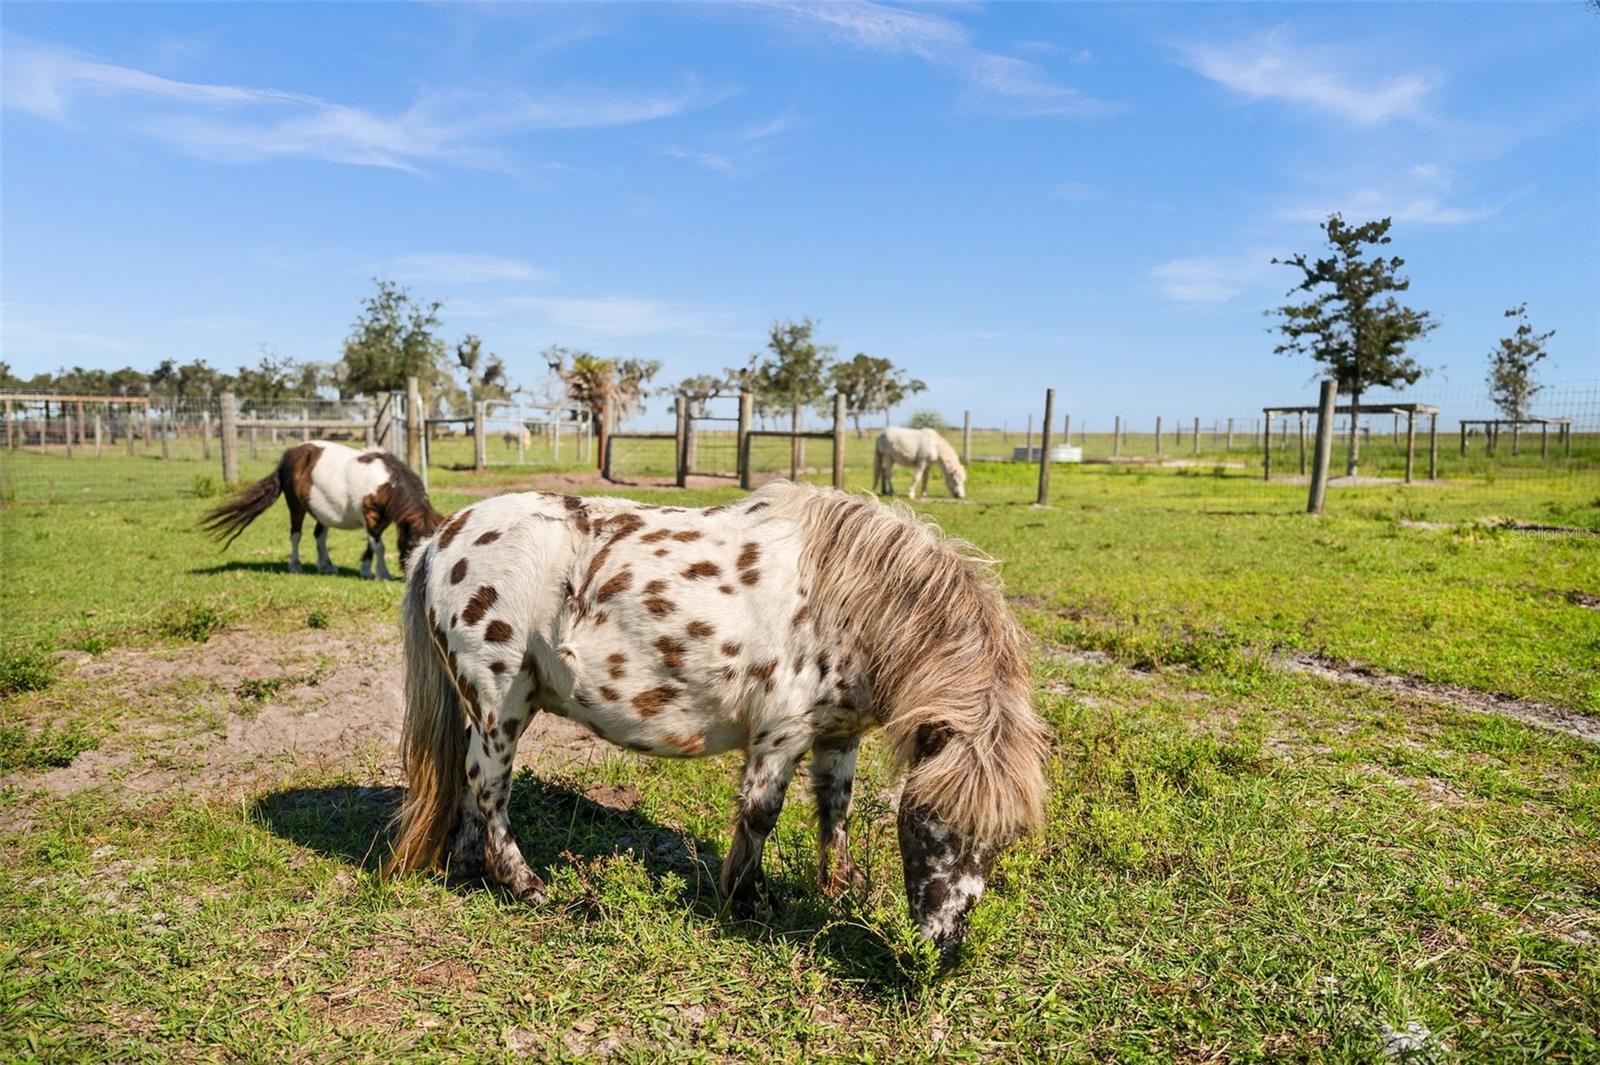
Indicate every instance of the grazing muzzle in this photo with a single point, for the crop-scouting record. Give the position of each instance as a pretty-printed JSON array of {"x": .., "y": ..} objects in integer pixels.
[{"x": 945, "y": 876}]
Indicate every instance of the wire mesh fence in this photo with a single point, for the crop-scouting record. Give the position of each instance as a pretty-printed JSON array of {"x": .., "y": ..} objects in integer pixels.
[{"x": 87, "y": 448}]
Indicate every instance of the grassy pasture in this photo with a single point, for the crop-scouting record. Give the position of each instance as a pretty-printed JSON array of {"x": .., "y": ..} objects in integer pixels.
[{"x": 1240, "y": 862}]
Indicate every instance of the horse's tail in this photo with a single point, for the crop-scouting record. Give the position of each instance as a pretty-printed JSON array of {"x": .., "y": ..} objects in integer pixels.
[
  {"x": 879, "y": 461},
  {"x": 432, "y": 739},
  {"x": 946, "y": 660},
  {"x": 227, "y": 521}
]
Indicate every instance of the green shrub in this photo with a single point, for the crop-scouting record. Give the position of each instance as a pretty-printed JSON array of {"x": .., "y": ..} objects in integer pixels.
[
  {"x": 205, "y": 486},
  {"x": 317, "y": 619},
  {"x": 195, "y": 623},
  {"x": 926, "y": 419}
]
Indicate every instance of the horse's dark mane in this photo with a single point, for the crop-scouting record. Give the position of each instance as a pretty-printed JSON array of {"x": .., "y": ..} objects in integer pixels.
[{"x": 408, "y": 500}]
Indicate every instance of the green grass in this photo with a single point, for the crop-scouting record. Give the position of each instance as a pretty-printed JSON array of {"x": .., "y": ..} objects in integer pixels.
[{"x": 1239, "y": 862}]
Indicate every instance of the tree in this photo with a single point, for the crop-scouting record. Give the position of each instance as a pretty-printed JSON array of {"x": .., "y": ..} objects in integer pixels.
[
  {"x": 927, "y": 419},
  {"x": 701, "y": 389},
  {"x": 484, "y": 377},
  {"x": 871, "y": 384},
  {"x": 1511, "y": 383},
  {"x": 795, "y": 374},
  {"x": 1352, "y": 322},
  {"x": 605, "y": 388},
  {"x": 391, "y": 341}
]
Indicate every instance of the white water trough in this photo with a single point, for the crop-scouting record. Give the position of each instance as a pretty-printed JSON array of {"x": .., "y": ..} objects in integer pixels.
[{"x": 1058, "y": 453}]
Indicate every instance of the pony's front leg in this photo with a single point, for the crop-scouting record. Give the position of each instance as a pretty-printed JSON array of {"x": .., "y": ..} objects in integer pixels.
[
  {"x": 769, "y": 766},
  {"x": 833, "y": 775},
  {"x": 919, "y": 480},
  {"x": 324, "y": 563},
  {"x": 489, "y": 757},
  {"x": 377, "y": 547},
  {"x": 374, "y": 551}
]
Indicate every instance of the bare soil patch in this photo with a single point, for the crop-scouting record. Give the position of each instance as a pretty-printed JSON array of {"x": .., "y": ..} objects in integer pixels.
[
  {"x": 247, "y": 707},
  {"x": 1528, "y": 711},
  {"x": 569, "y": 481}
]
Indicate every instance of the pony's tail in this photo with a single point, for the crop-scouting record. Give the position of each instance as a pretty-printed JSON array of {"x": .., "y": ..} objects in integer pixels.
[
  {"x": 432, "y": 739},
  {"x": 877, "y": 467},
  {"x": 981, "y": 770},
  {"x": 227, "y": 521}
]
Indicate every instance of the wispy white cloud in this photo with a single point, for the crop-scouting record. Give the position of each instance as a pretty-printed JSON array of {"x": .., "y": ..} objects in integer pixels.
[
  {"x": 994, "y": 82},
  {"x": 1075, "y": 192},
  {"x": 464, "y": 268},
  {"x": 1210, "y": 279},
  {"x": 235, "y": 123},
  {"x": 1071, "y": 55},
  {"x": 608, "y": 317},
  {"x": 1271, "y": 66},
  {"x": 721, "y": 164},
  {"x": 1421, "y": 194}
]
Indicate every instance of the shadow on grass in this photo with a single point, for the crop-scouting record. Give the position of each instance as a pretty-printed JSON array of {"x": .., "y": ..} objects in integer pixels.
[
  {"x": 554, "y": 824},
  {"x": 240, "y": 566}
]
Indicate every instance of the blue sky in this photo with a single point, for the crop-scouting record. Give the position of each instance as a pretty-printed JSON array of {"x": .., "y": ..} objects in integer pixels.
[{"x": 998, "y": 197}]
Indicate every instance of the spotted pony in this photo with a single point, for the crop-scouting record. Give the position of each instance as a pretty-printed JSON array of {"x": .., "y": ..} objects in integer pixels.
[
  {"x": 340, "y": 488},
  {"x": 786, "y": 624}
]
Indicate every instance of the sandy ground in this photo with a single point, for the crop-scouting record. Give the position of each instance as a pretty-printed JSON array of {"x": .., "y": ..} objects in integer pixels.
[{"x": 247, "y": 708}]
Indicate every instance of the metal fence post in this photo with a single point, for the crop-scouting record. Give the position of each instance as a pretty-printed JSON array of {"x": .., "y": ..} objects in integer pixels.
[
  {"x": 1066, "y": 429},
  {"x": 1411, "y": 441},
  {"x": 743, "y": 460},
  {"x": 1197, "y": 435},
  {"x": 966, "y": 437},
  {"x": 1324, "y": 453},
  {"x": 230, "y": 440},
  {"x": 205, "y": 434},
  {"x": 1301, "y": 416},
  {"x": 838, "y": 440},
  {"x": 1433, "y": 447},
  {"x": 98, "y": 431},
  {"x": 1044, "y": 448},
  {"x": 1158, "y": 436},
  {"x": 1230, "y": 434},
  {"x": 1116, "y": 436}
]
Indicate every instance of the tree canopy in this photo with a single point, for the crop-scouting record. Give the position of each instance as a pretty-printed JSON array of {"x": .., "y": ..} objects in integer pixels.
[
  {"x": 1351, "y": 321},
  {"x": 392, "y": 339},
  {"x": 794, "y": 374},
  {"x": 1511, "y": 365},
  {"x": 871, "y": 384}
]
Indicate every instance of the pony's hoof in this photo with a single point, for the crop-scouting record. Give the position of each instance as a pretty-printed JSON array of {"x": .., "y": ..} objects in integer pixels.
[
  {"x": 529, "y": 892},
  {"x": 326, "y": 570},
  {"x": 840, "y": 880}
]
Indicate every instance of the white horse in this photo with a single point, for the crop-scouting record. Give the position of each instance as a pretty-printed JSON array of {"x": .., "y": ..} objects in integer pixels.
[
  {"x": 342, "y": 489},
  {"x": 788, "y": 623},
  {"x": 918, "y": 448}
]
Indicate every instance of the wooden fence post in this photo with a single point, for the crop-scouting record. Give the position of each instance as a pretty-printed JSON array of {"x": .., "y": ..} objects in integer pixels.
[
  {"x": 1516, "y": 434},
  {"x": 165, "y": 430},
  {"x": 1116, "y": 436},
  {"x": 414, "y": 416},
  {"x": 1197, "y": 434},
  {"x": 1044, "y": 448},
  {"x": 127, "y": 431},
  {"x": 1230, "y": 434},
  {"x": 1544, "y": 440},
  {"x": 230, "y": 440},
  {"x": 1463, "y": 439},
  {"x": 1066, "y": 429},
  {"x": 98, "y": 431},
  {"x": 966, "y": 437},
  {"x": 1158, "y": 436},
  {"x": 743, "y": 440},
  {"x": 1324, "y": 453},
  {"x": 1266, "y": 449},
  {"x": 1433, "y": 447},
  {"x": 1302, "y": 417},
  {"x": 1411, "y": 441},
  {"x": 66, "y": 421},
  {"x": 82, "y": 426},
  {"x": 480, "y": 436},
  {"x": 838, "y": 440},
  {"x": 605, "y": 457},
  {"x": 205, "y": 435},
  {"x": 796, "y": 451},
  {"x": 680, "y": 440}
]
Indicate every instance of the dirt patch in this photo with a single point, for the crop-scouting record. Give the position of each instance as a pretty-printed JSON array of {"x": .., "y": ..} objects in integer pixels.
[
  {"x": 1528, "y": 711},
  {"x": 248, "y": 706}
]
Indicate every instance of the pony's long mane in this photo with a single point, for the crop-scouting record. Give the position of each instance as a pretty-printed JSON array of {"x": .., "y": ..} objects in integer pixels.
[
  {"x": 947, "y": 453},
  {"x": 408, "y": 500},
  {"x": 945, "y": 659}
]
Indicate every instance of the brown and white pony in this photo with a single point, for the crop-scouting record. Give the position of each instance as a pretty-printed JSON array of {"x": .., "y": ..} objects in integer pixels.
[
  {"x": 790, "y": 622},
  {"x": 342, "y": 489}
]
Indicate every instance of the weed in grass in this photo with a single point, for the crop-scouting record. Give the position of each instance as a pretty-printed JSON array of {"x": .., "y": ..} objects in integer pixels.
[
  {"x": 25, "y": 669},
  {"x": 258, "y": 689},
  {"x": 205, "y": 486},
  {"x": 196, "y": 623},
  {"x": 317, "y": 619},
  {"x": 92, "y": 643},
  {"x": 48, "y": 748}
]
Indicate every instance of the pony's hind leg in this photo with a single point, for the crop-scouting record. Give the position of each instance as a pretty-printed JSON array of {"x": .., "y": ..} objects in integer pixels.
[
  {"x": 297, "y": 520},
  {"x": 769, "y": 766},
  {"x": 490, "y": 754},
  {"x": 833, "y": 775},
  {"x": 324, "y": 563}
]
